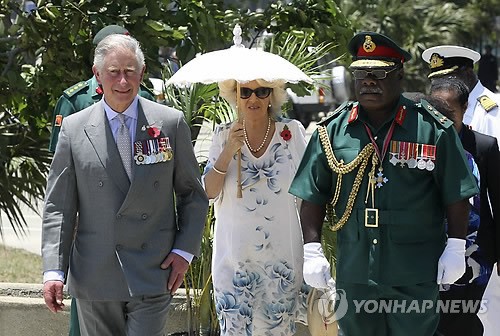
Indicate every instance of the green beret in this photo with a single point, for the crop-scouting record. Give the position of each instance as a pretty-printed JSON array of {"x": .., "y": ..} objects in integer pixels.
[
  {"x": 109, "y": 30},
  {"x": 370, "y": 49}
]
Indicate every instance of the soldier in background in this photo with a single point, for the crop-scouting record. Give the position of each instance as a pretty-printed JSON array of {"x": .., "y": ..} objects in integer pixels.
[
  {"x": 85, "y": 93},
  {"x": 74, "y": 99},
  {"x": 482, "y": 113}
]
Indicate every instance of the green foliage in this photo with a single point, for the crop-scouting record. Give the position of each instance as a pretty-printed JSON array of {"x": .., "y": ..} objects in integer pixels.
[
  {"x": 23, "y": 169},
  {"x": 315, "y": 60},
  {"x": 49, "y": 49},
  {"x": 199, "y": 288}
]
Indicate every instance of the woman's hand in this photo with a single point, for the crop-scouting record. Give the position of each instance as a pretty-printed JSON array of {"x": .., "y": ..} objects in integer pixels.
[{"x": 235, "y": 139}]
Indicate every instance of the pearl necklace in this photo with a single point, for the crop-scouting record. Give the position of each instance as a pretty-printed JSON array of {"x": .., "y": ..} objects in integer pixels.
[{"x": 263, "y": 141}]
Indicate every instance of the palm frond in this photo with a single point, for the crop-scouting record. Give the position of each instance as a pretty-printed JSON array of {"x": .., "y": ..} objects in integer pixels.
[{"x": 24, "y": 165}]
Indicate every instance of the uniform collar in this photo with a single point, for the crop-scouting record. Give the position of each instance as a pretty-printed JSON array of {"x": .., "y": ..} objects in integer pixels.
[
  {"x": 93, "y": 88},
  {"x": 399, "y": 113},
  {"x": 477, "y": 91}
]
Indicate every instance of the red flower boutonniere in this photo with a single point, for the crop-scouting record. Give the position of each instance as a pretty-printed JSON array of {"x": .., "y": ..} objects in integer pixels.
[
  {"x": 153, "y": 131},
  {"x": 285, "y": 133}
]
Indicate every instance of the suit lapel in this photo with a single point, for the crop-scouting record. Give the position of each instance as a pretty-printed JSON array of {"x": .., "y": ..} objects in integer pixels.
[
  {"x": 100, "y": 136},
  {"x": 141, "y": 173},
  {"x": 468, "y": 140}
]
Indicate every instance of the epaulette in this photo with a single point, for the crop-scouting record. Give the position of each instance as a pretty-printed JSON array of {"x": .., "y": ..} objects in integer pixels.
[
  {"x": 441, "y": 119},
  {"x": 487, "y": 103},
  {"x": 69, "y": 92},
  {"x": 334, "y": 114}
]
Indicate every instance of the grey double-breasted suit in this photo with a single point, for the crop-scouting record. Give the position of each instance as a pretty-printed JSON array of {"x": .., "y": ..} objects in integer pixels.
[{"x": 125, "y": 229}]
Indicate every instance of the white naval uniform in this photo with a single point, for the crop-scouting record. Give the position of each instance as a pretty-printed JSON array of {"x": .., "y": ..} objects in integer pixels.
[{"x": 478, "y": 118}]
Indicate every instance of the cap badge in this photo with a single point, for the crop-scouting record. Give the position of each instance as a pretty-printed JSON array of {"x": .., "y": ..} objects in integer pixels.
[
  {"x": 436, "y": 61},
  {"x": 369, "y": 46}
]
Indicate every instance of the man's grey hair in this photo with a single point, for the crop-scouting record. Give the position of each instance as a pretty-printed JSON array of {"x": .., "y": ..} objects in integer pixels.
[
  {"x": 115, "y": 41},
  {"x": 227, "y": 90}
]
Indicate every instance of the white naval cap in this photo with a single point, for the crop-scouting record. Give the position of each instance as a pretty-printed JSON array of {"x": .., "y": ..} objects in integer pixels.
[{"x": 445, "y": 59}]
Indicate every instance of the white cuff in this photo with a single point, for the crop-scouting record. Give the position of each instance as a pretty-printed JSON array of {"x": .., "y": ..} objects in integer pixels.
[
  {"x": 186, "y": 255},
  {"x": 53, "y": 275}
]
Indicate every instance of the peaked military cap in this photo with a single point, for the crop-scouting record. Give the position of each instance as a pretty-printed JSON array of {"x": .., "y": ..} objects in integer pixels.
[
  {"x": 445, "y": 59},
  {"x": 109, "y": 30},
  {"x": 371, "y": 50}
]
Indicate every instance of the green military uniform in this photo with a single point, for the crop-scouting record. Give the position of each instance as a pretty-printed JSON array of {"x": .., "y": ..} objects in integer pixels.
[
  {"x": 76, "y": 98},
  {"x": 398, "y": 250}
]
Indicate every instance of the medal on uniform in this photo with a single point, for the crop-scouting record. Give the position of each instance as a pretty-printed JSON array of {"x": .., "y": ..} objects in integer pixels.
[
  {"x": 402, "y": 153},
  {"x": 421, "y": 163},
  {"x": 380, "y": 177},
  {"x": 412, "y": 154},
  {"x": 394, "y": 153},
  {"x": 379, "y": 180},
  {"x": 431, "y": 154}
]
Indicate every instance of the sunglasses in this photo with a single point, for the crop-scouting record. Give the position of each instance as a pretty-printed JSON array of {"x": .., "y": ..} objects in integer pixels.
[
  {"x": 377, "y": 73},
  {"x": 260, "y": 92}
]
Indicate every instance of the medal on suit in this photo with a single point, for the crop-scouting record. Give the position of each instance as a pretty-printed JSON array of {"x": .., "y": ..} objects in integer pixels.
[
  {"x": 166, "y": 149},
  {"x": 139, "y": 156}
]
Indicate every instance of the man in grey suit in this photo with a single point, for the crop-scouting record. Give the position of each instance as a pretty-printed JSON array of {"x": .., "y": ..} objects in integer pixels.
[{"x": 126, "y": 166}]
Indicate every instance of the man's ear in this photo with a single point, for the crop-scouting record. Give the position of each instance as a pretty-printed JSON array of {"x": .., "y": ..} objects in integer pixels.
[
  {"x": 142, "y": 72},
  {"x": 401, "y": 74},
  {"x": 96, "y": 74}
]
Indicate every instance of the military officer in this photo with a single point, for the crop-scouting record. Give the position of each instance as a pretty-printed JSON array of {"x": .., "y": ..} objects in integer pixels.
[
  {"x": 482, "y": 113},
  {"x": 392, "y": 169},
  {"x": 74, "y": 99},
  {"x": 85, "y": 93}
]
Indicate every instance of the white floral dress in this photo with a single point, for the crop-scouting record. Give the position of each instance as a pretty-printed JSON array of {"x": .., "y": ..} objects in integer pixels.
[{"x": 258, "y": 247}]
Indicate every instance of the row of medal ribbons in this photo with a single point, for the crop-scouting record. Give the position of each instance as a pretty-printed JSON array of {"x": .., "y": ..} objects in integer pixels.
[
  {"x": 414, "y": 155},
  {"x": 152, "y": 151}
]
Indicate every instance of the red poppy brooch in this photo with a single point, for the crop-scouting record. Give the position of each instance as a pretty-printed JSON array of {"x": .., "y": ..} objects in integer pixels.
[
  {"x": 153, "y": 131},
  {"x": 285, "y": 133}
]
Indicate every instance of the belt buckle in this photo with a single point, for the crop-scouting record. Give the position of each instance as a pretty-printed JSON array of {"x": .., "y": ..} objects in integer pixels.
[{"x": 371, "y": 217}]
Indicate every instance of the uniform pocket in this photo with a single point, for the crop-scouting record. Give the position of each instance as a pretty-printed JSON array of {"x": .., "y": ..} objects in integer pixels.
[{"x": 419, "y": 229}]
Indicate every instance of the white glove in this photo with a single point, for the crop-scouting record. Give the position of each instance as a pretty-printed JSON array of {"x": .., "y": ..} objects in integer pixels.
[
  {"x": 451, "y": 265},
  {"x": 316, "y": 267}
]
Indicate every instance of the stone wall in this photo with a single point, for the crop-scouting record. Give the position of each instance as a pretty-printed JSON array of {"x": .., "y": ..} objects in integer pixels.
[{"x": 23, "y": 313}]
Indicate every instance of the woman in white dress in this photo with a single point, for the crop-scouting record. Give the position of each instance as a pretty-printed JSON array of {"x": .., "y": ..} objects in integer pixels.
[{"x": 258, "y": 256}]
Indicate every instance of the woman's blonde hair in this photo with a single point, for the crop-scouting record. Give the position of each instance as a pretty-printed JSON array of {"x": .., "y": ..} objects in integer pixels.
[{"x": 227, "y": 90}]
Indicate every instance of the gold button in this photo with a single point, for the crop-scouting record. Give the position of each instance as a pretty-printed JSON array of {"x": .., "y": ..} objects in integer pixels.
[{"x": 375, "y": 241}]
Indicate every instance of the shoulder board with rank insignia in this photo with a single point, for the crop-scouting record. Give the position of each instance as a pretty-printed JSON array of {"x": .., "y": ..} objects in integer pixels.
[
  {"x": 69, "y": 92},
  {"x": 332, "y": 115},
  {"x": 487, "y": 103},
  {"x": 441, "y": 119}
]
